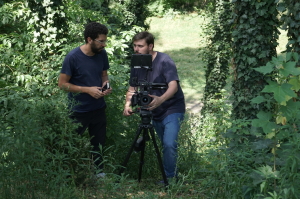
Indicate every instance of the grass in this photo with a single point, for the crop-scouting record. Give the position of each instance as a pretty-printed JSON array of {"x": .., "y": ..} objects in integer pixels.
[{"x": 179, "y": 37}]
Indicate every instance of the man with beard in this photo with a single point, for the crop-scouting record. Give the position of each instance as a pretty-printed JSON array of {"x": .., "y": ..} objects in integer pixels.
[
  {"x": 167, "y": 106},
  {"x": 84, "y": 76}
]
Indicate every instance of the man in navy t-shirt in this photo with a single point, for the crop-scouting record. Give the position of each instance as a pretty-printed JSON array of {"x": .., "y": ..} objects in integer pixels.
[
  {"x": 84, "y": 75},
  {"x": 167, "y": 106}
]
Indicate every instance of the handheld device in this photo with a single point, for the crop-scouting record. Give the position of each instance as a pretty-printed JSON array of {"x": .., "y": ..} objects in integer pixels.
[{"x": 106, "y": 86}]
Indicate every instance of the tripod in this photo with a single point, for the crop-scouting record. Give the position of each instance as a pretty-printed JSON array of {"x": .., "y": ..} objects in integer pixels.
[{"x": 144, "y": 127}]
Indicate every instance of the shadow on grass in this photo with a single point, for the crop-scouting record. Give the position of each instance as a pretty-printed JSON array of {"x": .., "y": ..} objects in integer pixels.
[{"x": 191, "y": 73}]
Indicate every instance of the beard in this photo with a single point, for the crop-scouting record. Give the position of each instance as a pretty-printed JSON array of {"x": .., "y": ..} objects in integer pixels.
[
  {"x": 95, "y": 49},
  {"x": 147, "y": 52}
]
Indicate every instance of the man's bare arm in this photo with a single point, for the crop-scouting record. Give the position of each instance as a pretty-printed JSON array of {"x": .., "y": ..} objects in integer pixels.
[
  {"x": 127, "y": 109},
  {"x": 104, "y": 77},
  {"x": 157, "y": 101}
]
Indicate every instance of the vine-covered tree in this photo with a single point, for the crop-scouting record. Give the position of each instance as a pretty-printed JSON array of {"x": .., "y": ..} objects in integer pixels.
[
  {"x": 217, "y": 53},
  {"x": 255, "y": 33}
]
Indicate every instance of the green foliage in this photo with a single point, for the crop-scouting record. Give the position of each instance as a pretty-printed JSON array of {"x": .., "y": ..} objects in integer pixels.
[
  {"x": 291, "y": 23},
  {"x": 256, "y": 153},
  {"x": 217, "y": 52},
  {"x": 41, "y": 157},
  {"x": 48, "y": 18},
  {"x": 39, "y": 149},
  {"x": 186, "y": 5},
  {"x": 262, "y": 153},
  {"x": 34, "y": 39},
  {"x": 283, "y": 123},
  {"x": 256, "y": 158},
  {"x": 254, "y": 37},
  {"x": 130, "y": 13}
]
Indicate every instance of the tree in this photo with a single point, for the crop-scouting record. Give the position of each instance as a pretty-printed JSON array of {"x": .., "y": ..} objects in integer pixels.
[
  {"x": 217, "y": 54},
  {"x": 254, "y": 37}
]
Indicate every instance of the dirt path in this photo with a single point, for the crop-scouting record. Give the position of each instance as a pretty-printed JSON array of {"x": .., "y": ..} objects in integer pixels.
[{"x": 194, "y": 106}]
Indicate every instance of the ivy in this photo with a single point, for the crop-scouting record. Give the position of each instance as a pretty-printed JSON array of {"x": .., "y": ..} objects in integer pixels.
[
  {"x": 254, "y": 43},
  {"x": 291, "y": 23},
  {"x": 217, "y": 52}
]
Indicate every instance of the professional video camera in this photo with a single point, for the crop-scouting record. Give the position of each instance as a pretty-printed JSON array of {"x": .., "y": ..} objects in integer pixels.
[{"x": 141, "y": 96}]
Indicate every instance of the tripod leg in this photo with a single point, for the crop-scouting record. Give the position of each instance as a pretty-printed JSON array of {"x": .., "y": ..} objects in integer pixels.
[
  {"x": 142, "y": 156},
  {"x": 158, "y": 156},
  {"x": 130, "y": 150}
]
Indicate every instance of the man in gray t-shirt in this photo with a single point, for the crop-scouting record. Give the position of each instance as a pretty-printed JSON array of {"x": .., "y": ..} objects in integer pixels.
[{"x": 167, "y": 105}]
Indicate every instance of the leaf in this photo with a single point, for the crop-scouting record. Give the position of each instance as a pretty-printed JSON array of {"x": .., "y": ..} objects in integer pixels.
[
  {"x": 270, "y": 135},
  {"x": 262, "y": 186},
  {"x": 251, "y": 60},
  {"x": 282, "y": 93},
  {"x": 289, "y": 68},
  {"x": 295, "y": 56},
  {"x": 281, "y": 120},
  {"x": 291, "y": 110},
  {"x": 281, "y": 7},
  {"x": 264, "y": 115},
  {"x": 264, "y": 122},
  {"x": 288, "y": 56},
  {"x": 265, "y": 69},
  {"x": 277, "y": 61},
  {"x": 258, "y": 100},
  {"x": 295, "y": 82}
]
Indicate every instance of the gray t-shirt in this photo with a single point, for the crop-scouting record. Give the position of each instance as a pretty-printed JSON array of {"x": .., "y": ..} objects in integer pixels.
[{"x": 163, "y": 71}]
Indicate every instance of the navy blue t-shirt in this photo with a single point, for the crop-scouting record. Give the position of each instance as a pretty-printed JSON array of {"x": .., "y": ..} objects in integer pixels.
[
  {"x": 85, "y": 71},
  {"x": 163, "y": 71}
]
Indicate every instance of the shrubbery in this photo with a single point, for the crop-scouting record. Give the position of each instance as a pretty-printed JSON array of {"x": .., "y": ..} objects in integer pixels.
[{"x": 219, "y": 156}]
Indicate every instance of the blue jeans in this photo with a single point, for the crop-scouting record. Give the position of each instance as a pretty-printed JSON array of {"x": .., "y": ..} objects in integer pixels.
[{"x": 167, "y": 131}]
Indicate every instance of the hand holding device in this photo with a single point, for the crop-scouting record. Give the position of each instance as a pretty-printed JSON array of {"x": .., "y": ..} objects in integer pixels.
[{"x": 106, "y": 86}]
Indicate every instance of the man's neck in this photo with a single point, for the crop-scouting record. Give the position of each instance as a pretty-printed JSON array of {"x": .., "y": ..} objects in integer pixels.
[
  {"x": 153, "y": 53},
  {"x": 86, "y": 49}
]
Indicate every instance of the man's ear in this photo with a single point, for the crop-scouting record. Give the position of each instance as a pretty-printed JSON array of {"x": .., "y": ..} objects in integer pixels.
[
  {"x": 89, "y": 40},
  {"x": 151, "y": 46}
]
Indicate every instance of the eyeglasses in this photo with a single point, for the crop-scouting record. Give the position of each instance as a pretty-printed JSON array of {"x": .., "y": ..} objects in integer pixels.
[{"x": 100, "y": 42}]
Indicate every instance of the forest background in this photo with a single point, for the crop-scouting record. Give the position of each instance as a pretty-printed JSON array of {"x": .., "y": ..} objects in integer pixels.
[{"x": 243, "y": 144}]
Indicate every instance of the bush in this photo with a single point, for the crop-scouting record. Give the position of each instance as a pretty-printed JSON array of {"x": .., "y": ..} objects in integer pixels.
[{"x": 40, "y": 154}]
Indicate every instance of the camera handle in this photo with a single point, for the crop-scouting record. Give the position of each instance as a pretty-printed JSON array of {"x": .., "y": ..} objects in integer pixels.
[{"x": 145, "y": 128}]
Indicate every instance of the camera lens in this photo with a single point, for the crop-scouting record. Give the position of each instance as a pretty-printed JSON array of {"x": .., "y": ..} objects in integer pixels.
[{"x": 145, "y": 99}]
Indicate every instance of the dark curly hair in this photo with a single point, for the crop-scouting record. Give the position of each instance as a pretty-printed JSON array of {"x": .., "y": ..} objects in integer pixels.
[
  {"x": 93, "y": 30},
  {"x": 144, "y": 35}
]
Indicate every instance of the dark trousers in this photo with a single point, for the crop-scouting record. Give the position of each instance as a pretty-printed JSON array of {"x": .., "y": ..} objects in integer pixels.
[{"x": 95, "y": 122}]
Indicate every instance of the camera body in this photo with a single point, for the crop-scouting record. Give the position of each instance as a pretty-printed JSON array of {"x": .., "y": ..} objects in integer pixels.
[{"x": 141, "y": 99}]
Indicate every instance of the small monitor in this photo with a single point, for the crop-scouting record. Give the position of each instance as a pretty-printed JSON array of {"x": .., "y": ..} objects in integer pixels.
[{"x": 141, "y": 61}]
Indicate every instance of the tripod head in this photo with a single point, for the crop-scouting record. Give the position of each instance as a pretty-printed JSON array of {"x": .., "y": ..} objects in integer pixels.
[{"x": 145, "y": 115}]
